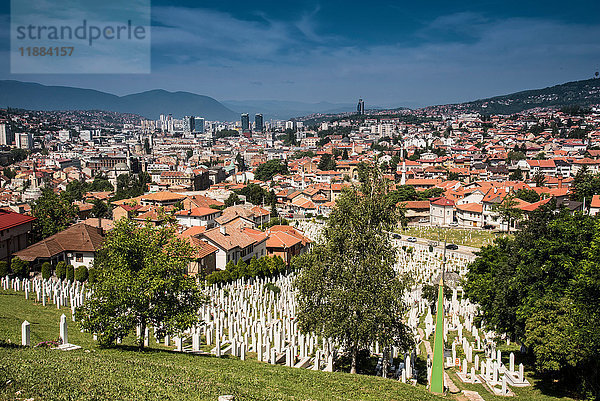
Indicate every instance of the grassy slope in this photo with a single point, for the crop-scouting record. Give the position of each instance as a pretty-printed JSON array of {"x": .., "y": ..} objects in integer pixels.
[{"x": 158, "y": 373}]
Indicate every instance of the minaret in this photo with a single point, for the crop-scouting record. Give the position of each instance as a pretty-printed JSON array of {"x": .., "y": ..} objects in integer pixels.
[{"x": 403, "y": 179}]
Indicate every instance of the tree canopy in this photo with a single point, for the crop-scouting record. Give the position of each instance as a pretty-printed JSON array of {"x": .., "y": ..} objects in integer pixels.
[
  {"x": 267, "y": 170},
  {"x": 347, "y": 287},
  {"x": 542, "y": 288},
  {"x": 54, "y": 213},
  {"x": 141, "y": 282}
]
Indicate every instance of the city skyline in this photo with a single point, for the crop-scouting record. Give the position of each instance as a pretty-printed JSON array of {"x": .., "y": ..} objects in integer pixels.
[{"x": 391, "y": 55}]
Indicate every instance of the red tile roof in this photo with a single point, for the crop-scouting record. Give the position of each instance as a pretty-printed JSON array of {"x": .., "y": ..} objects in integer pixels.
[{"x": 12, "y": 219}]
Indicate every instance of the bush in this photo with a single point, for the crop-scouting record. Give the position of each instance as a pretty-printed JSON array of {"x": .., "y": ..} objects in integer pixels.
[
  {"x": 93, "y": 276},
  {"x": 19, "y": 267},
  {"x": 81, "y": 274},
  {"x": 70, "y": 273},
  {"x": 61, "y": 270},
  {"x": 46, "y": 270},
  {"x": 3, "y": 268}
]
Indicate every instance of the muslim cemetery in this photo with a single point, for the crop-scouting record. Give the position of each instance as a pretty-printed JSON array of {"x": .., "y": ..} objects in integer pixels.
[{"x": 247, "y": 344}]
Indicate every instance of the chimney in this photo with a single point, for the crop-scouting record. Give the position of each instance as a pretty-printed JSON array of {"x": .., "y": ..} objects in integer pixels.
[
  {"x": 100, "y": 230},
  {"x": 223, "y": 230},
  {"x": 560, "y": 181}
]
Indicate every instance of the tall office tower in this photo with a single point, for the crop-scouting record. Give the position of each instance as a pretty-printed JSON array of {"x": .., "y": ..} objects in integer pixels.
[
  {"x": 189, "y": 124},
  {"x": 259, "y": 124},
  {"x": 6, "y": 136},
  {"x": 245, "y": 122},
  {"x": 360, "y": 108},
  {"x": 198, "y": 125}
]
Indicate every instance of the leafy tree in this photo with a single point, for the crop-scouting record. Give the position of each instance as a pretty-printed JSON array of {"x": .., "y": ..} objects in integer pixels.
[
  {"x": 70, "y": 273},
  {"x": 19, "y": 267},
  {"x": 516, "y": 175},
  {"x": 53, "y": 214},
  {"x": 507, "y": 210},
  {"x": 327, "y": 163},
  {"x": 528, "y": 195},
  {"x": 75, "y": 190},
  {"x": 233, "y": 199},
  {"x": 453, "y": 176},
  {"x": 100, "y": 209},
  {"x": 266, "y": 171},
  {"x": 345, "y": 155},
  {"x": 130, "y": 185},
  {"x": 61, "y": 270},
  {"x": 4, "y": 268},
  {"x": 9, "y": 173},
  {"x": 46, "y": 270},
  {"x": 542, "y": 288},
  {"x": 254, "y": 194},
  {"x": 539, "y": 179},
  {"x": 347, "y": 287},
  {"x": 585, "y": 185},
  {"x": 273, "y": 205},
  {"x": 101, "y": 184},
  {"x": 515, "y": 155},
  {"x": 141, "y": 283},
  {"x": 81, "y": 274}
]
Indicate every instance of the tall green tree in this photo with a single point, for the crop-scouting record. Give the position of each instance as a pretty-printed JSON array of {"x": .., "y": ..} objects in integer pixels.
[
  {"x": 327, "y": 163},
  {"x": 542, "y": 288},
  {"x": 141, "y": 282},
  {"x": 100, "y": 209},
  {"x": 347, "y": 287},
  {"x": 53, "y": 213}
]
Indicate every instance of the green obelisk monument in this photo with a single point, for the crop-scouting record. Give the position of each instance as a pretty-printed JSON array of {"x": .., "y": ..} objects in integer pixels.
[{"x": 437, "y": 367}]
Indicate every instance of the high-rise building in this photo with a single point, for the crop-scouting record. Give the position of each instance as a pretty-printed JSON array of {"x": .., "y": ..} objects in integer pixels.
[
  {"x": 245, "y": 122},
  {"x": 189, "y": 124},
  {"x": 6, "y": 136},
  {"x": 198, "y": 125},
  {"x": 360, "y": 108},
  {"x": 259, "y": 124}
]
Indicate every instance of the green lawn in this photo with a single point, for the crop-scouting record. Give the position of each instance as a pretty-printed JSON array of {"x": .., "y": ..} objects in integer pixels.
[
  {"x": 157, "y": 373},
  {"x": 459, "y": 236}
]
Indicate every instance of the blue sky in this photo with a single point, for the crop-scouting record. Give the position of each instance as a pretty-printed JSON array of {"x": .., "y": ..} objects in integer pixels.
[{"x": 389, "y": 53}]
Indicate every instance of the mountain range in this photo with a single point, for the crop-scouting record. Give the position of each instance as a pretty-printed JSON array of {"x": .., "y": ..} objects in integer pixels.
[
  {"x": 580, "y": 93},
  {"x": 151, "y": 104}
]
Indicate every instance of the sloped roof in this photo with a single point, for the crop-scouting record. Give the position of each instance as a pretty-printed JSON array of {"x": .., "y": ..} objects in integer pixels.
[
  {"x": 11, "y": 219},
  {"x": 77, "y": 238}
]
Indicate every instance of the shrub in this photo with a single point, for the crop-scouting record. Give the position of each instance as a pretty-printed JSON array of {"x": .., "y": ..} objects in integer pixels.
[
  {"x": 46, "y": 270},
  {"x": 81, "y": 274},
  {"x": 93, "y": 275},
  {"x": 70, "y": 273},
  {"x": 3, "y": 268},
  {"x": 19, "y": 267},
  {"x": 61, "y": 270}
]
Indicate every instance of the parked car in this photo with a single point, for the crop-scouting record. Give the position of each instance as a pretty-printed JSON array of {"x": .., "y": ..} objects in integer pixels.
[
  {"x": 454, "y": 224},
  {"x": 411, "y": 239},
  {"x": 396, "y": 236},
  {"x": 452, "y": 246}
]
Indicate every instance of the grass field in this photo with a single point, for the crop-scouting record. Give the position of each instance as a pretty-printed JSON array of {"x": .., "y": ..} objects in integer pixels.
[
  {"x": 459, "y": 236},
  {"x": 157, "y": 373}
]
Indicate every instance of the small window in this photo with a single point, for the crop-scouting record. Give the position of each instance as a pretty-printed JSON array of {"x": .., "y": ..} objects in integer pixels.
[{"x": 79, "y": 257}]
